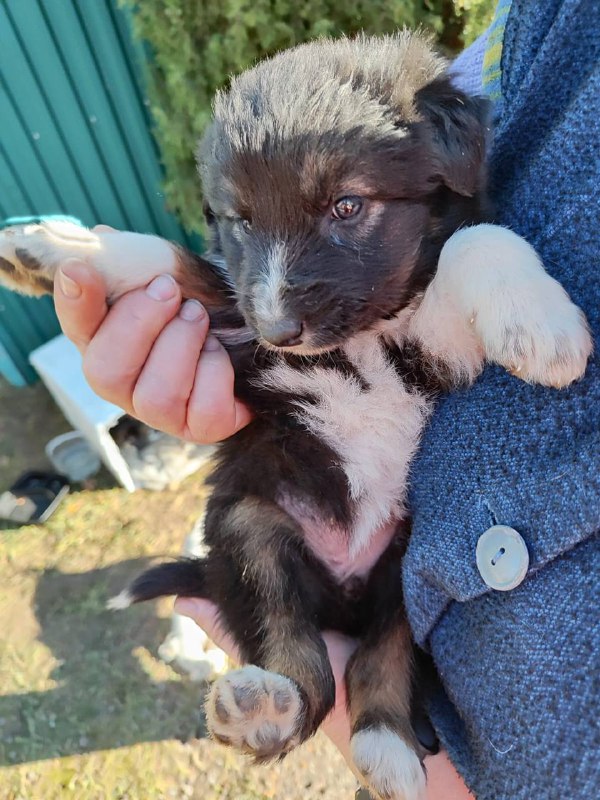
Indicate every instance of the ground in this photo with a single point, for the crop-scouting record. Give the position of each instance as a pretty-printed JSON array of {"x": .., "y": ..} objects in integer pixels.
[{"x": 87, "y": 710}]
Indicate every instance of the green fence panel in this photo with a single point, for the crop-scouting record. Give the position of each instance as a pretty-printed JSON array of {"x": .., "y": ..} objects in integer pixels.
[
  {"x": 75, "y": 139},
  {"x": 25, "y": 323}
]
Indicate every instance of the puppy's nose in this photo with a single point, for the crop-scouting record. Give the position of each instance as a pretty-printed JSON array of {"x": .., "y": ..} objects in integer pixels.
[{"x": 282, "y": 332}]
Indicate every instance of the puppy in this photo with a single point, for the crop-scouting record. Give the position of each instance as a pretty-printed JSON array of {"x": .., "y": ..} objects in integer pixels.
[{"x": 352, "y": 278}]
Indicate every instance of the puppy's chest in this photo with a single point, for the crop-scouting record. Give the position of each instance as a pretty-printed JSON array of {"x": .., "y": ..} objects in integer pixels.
[{"x": 372, "y": 422}]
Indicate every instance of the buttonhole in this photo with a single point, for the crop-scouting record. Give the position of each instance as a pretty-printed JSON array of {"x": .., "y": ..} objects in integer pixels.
[{"x": 498, "y": 556}]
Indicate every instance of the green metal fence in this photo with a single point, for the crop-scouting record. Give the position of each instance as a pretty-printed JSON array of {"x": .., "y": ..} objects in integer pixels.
[{"x": 74, "y": 138}]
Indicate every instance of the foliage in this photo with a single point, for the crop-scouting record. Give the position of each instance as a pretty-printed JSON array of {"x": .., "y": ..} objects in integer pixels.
[
  {"x": 476, "y": 15},
  {"x": 197, "y": 44}
]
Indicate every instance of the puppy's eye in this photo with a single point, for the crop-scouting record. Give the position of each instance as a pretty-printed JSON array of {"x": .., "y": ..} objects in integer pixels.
[
  {"x": 346, "y": 207},
  {"x": 209, "y": 215},
  {"x": 246, "y": 225}
]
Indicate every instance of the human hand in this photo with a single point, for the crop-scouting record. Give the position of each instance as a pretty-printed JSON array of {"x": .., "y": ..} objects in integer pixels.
[
  {"x": 443, "y": 782},
  {"x": 151, "y": 355}
]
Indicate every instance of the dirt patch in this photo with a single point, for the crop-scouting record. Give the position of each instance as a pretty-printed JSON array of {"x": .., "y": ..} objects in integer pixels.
[{"x": 28, "y": 419}]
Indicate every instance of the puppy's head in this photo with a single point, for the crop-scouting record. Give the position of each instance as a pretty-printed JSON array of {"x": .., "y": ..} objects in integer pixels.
[{"x": 328, "y": 173}]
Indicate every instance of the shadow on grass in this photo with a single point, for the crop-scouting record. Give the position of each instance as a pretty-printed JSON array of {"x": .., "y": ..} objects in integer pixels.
[{"x": 111, "y": 690}]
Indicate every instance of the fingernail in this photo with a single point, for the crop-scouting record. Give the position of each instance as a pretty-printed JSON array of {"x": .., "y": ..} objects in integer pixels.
[
  {"x": 212, "y": 344},
  {"x": 191, "y": 310},
  {"x": 162, "y": 288},
  {"x": 104, "y": 229},
  {"x": 68, "y": 286}
]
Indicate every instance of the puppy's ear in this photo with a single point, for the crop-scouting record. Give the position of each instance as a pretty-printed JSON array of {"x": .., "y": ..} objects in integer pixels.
[{"x": 458, "y": 129}]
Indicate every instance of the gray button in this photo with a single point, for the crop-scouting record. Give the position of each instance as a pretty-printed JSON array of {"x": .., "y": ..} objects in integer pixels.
[{"x": 502, "y": 558}]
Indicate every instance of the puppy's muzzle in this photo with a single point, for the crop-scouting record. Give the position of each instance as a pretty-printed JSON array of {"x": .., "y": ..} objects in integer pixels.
[{"x": 285, "y": 332}]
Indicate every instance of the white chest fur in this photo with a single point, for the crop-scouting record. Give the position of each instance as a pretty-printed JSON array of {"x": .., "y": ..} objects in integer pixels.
[{"x": 374, "y": 431}]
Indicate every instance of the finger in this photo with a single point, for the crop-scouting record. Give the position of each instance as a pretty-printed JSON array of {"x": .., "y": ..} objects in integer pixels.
[
  {"x": 444, "y": 781},
  {"x": 206, "y": 615},
  {"x": 339, "y": 648},
  {"x": 162, "y": 391},
  {"x": 214, "y": 413},
  {"x": 336, "y": 724},
  {"x": 117, "y": 353},
  {"x": 80, "y": 301}
]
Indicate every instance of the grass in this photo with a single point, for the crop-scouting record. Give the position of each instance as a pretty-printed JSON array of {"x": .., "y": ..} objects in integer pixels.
[{"x": 87, "y": 710}]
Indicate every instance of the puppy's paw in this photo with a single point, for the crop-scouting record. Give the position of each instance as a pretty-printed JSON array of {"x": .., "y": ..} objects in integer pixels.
[
  {"x": 543, "y": 339},
  {"x": 31, "y": 253},
  {"x": 255, "y": 711},
  {"x": 522, "y": 318},
  {"x": 390, "y": 767}
]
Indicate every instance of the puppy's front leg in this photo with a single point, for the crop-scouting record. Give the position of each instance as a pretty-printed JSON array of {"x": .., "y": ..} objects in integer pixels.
[
  {"x": 30, "y": 255},
  {"x": 268, "y": 595},
  {"x": 492, "y": 300}
]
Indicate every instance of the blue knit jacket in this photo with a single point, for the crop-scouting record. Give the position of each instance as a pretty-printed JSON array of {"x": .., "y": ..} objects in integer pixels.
[{"x": 519, "y": 704}]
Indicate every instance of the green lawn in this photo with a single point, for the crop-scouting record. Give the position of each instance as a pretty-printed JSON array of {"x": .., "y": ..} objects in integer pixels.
[{"x": 87, "y": 710}]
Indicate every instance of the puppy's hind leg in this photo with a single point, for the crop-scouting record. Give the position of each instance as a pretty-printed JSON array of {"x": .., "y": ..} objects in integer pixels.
[
  {"x": 384, "y": 747},
  {"x": 270, "y": 607}
]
